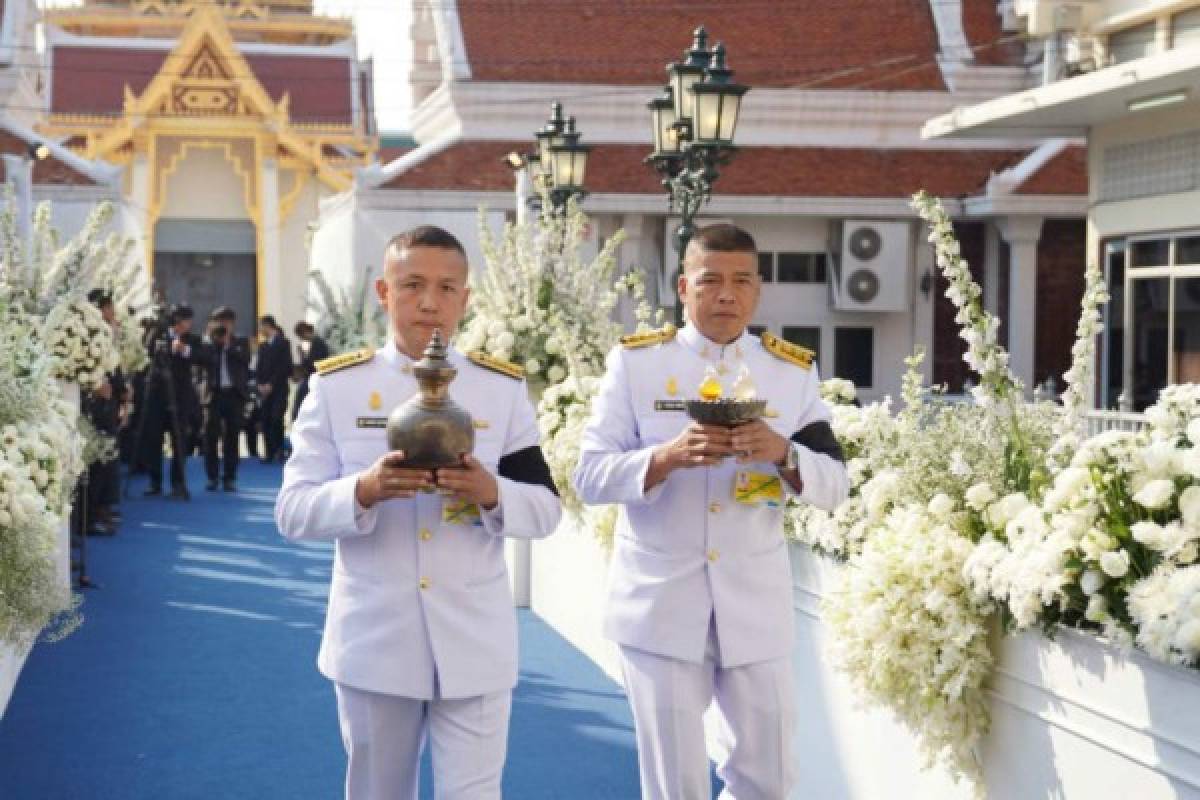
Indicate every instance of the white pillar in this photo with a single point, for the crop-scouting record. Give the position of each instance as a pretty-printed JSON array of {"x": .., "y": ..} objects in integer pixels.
[
  {"x": 991, "y": 269},
  {"x": 523, "y": 188},
  {"x": 924, "y": 303},
  {"x": 1022, "y": 234},
  {"x": 271, "y": 268}
]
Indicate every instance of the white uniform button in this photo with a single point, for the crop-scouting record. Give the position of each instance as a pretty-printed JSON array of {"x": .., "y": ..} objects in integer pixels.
[
  {"x": 424, "y": 583},
  {"x": 426, "y": 534},
  {"x": 714, "y": 507},
  {"x": 713, "y": 555}
]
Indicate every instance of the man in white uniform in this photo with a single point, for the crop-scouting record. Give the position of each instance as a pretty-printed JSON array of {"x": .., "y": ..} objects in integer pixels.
[
  {"x": 700, "y": 597},
  {"x": 420, "y": 635}
]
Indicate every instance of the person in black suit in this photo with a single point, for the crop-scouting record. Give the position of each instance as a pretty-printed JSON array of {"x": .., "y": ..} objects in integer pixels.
[
  {"x": 104, "y": 404},
  {"x": 316, "y": 351},
  {"x": 183, "y": 349},
  {"x": 227, "y": 369},
  {"x": 272, "y": 373}
]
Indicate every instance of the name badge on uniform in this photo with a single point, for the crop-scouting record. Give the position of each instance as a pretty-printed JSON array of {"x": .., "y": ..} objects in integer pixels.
[
  {"x": 372, "y": 422},
  {"x": 758, "y": 489},
  {"x": 460, "y": 512},
  {"x": 668, "y": 405}
]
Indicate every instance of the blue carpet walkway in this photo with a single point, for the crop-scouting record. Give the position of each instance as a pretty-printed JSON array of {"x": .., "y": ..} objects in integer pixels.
[{"x": 194, "y": 675}]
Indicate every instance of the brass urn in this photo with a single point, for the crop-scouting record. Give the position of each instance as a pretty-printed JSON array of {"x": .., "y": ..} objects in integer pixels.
[{"x": 431, "y": 429}]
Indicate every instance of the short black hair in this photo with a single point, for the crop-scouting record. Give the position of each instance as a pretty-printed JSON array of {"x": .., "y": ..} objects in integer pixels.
[
  {"x": 181, "y": 311},
  {"x": 223, "y": 312},
  {"x": 99, "y": 298},
  {"x": 724, "y": 238},
  {"x": 267, "y": 319},
  {"x": 425, "y": 236},
  {"x": 302, "y": 328}
]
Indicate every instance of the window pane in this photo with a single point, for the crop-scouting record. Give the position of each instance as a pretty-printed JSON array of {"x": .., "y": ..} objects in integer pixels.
[
  {"x": 1187, "y": 250},
  {"x": 1132, "y": 43},
  {"x": 1113, "y": 333},
  {"x": 1150, "y": 253},
  {"x": 1187, "y": 330},
  {"x": 1149, "y": 340},
  {"x": 766, "y": 267},
  {"x": 1185, "y": 28},
  {"x": 854, "y": 355},
  {"x": 804, "y": 336},
  {"x": 800, "y": 267}
]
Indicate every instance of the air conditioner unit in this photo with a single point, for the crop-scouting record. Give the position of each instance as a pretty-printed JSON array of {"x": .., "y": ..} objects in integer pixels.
[{"x": 872, "y": 268}]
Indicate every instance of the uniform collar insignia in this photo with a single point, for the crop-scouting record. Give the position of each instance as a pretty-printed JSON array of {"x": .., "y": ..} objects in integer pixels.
[{"x": 706, "y": 348}]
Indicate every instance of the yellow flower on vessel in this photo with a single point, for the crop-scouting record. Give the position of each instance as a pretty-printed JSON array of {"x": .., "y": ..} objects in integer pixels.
[{"x": 710, "y": 389}]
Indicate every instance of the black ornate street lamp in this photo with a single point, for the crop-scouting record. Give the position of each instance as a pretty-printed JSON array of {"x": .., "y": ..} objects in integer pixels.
[
  {"x": 559, "y": 165},
  {"x": 694, "y": 122}
]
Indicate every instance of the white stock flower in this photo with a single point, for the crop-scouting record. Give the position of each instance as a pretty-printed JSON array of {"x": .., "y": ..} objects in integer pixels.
[
  {"x": 1156, "y": 494},
  {"x": 1097, "y": 608},
  {"x": 1092, "y": 581},
  {"x": 1115, "y": 563},
  {"x": 941, "y": 506},
  {"x": 555, "y": 374},
  {"x": 980, "y": 496}
]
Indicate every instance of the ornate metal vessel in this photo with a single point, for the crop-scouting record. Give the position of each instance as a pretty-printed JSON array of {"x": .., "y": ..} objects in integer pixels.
[
  {"x": 728, "y": 412},
  {"x": 431, "y": 429}
]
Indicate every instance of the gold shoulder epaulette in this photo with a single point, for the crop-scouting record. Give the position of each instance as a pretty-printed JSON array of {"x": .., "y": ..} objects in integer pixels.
[
  {"x": 496, "y": 365},
  {"x": 791, "y": 353},
  {"x": 343, "y": 360},
  {"x": 648, "y": 338}
]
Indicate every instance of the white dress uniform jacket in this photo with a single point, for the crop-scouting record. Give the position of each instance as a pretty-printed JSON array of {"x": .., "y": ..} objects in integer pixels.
[
  {"x": 420, "y": 604},
  {"x": 686, "y": 551}
]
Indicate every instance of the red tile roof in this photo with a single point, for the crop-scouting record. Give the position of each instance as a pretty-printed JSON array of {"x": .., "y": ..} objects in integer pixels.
[
  {"x": 46, "y": 171},
  {"x": 1066, "y": 173},
  {"x": 765, "y": 171},
  {"x": 91, "y": 80},
  {"x": 777, "y": 43}
]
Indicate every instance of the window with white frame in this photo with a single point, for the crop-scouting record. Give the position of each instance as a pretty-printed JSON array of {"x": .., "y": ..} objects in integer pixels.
[
  {"x": 1152, "y": 323},
  {"x": 1133, "y": 43}
]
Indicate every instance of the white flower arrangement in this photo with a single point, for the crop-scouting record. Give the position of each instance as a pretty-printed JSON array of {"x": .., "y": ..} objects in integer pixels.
[
  {"x": 543, "y": 305},
  {"x": 81, "y": 343},
  {"x": 347, "y": 318}
]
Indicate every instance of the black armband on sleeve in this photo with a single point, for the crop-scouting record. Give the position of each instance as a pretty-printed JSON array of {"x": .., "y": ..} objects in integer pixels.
[
  {"x": 819, "y": 438},
  {"x": 527, "y": 466}
]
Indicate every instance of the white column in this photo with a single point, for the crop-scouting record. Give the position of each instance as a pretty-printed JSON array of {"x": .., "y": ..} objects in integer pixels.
[
  {"x": 1022, "y": 234},
  {"x": 523, "y": 188},
  {"x": 924, "y": 303},
  {"x": 991, "y": 269},
  {"x": 271, "y": 268}
]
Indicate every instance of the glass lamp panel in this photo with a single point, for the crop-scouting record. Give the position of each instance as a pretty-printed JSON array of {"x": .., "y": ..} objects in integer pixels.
[
  {"x": 708, "y": 116},
  {"x": 579, "y": 167},
  {"x": 682, "y": 81},
  {"x": 731, "y": 107}
]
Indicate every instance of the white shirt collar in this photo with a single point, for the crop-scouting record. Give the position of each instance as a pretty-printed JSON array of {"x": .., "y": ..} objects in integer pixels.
[
  {"x": 392, "y": 356},
  {"x": 700, "y": 344}
]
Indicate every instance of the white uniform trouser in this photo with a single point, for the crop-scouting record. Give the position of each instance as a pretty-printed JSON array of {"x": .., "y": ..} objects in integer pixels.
[
  {"x": 755, "y": 719},
  {"x": 384, "y": 735}
]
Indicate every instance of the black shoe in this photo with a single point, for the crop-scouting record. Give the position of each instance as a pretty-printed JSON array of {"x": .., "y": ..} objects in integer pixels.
[
  {"x": 265, "y": 460},
  {"x": 101, "y": 529},
  {"x": 178, "y": 492},
  {"x": 230, "y": 486},
  {"x": 153, "y": 491},
  {"x": 211, "y": 486}
]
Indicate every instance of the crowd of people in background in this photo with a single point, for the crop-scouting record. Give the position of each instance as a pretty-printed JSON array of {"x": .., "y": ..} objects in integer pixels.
[{"x": 213, "y": 392}]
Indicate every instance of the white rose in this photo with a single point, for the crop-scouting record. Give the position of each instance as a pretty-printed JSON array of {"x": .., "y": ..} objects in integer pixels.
[
  {"x": 1156, "y": 494},
  {"x": 1149, "y": 533},
  {"x": 555, "y": 373},
  {"x": 533, "y": 367},
  {"x": 1092, "y": 581},
  {"x": 1115, "y": 563},
  {"x": 1097, "y": 608},
  {"x": 941, "y": 506},
  {"x": 505, "y": 341},
  {"x": 496, "y": 328},
  {"x": 979, "y": 496},
  {"x": 1193, "y": 432},
  {"x": 1189, "y": 505},
  {"x": 1188, "y": 553},
  {"x": 553, "y": 346},
  {"x": 1187, "y": 639}
]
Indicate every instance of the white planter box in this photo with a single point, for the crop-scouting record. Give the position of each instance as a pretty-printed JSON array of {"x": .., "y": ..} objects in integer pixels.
[
  {"x": 569, "y": 572},
  {"x": 1071, "y": 718}
]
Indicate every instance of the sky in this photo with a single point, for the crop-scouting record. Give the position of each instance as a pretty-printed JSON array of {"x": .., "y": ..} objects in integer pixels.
[{"x": 382, "y": 35}]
